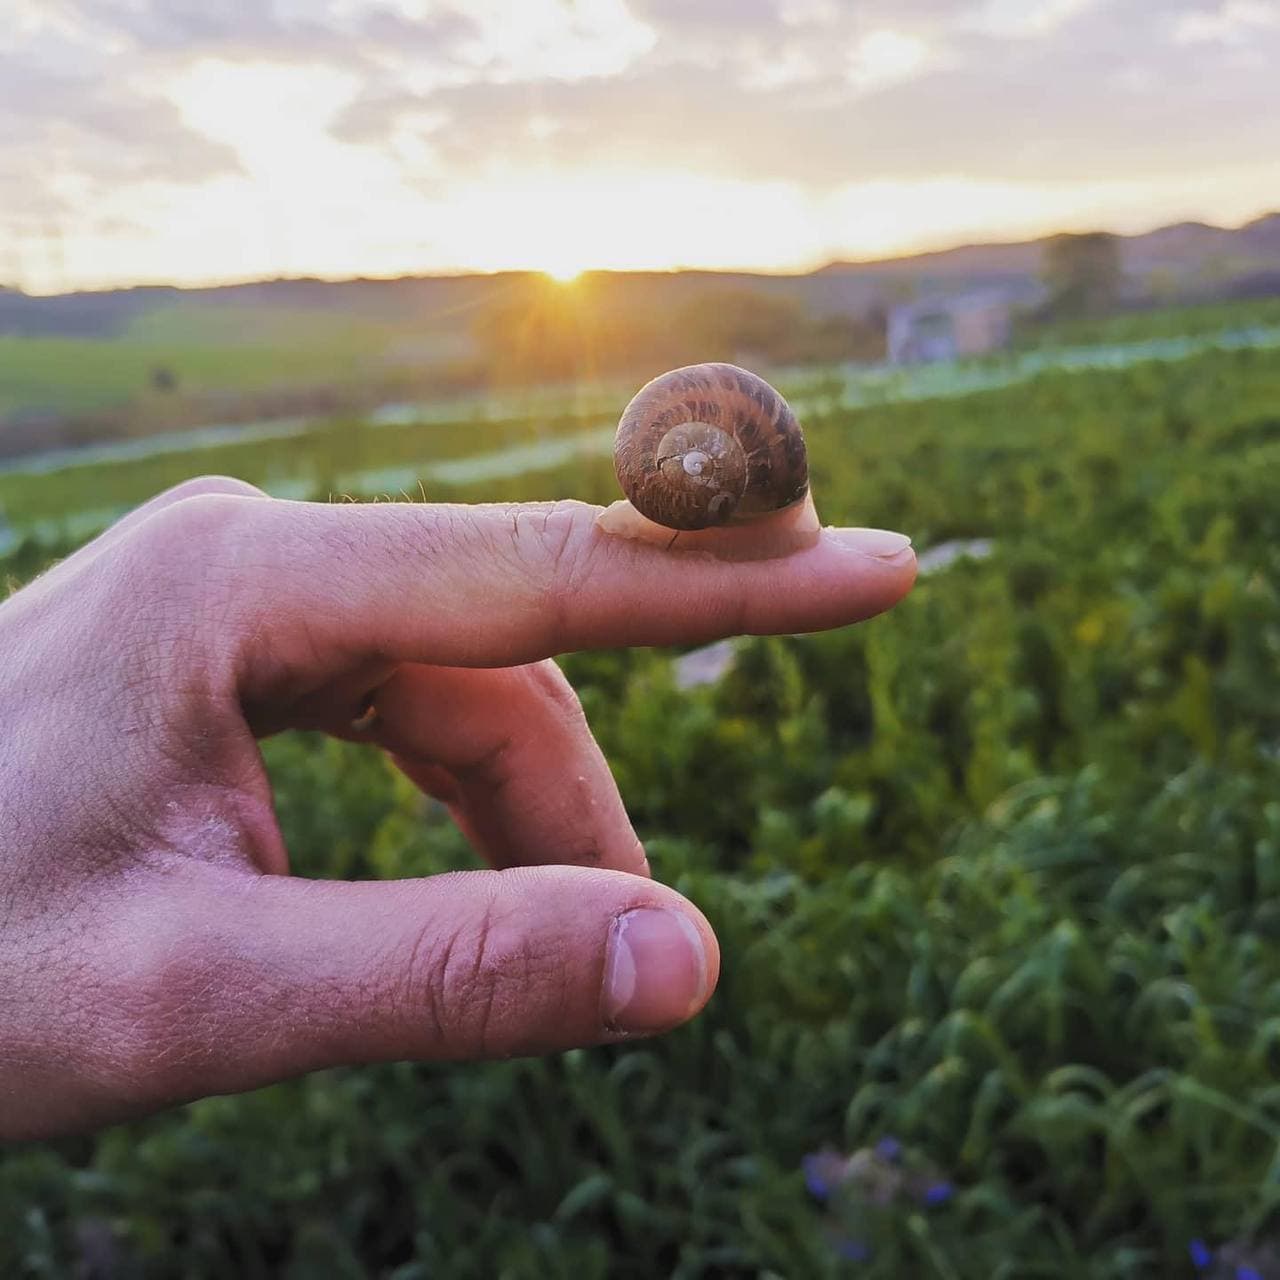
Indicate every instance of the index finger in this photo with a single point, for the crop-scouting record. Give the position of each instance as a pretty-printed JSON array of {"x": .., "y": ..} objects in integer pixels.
[{"x": 501, "y": 585}]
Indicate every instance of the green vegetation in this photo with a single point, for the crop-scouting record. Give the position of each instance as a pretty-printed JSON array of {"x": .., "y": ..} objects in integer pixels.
[
  {"x": 319, "y": 463},
  {"x": 223, "y": 352},
  {"x": 1170, "y": 322},
  {"x": 997, "y": 874},
  {"x": 1083, "y": 274}
]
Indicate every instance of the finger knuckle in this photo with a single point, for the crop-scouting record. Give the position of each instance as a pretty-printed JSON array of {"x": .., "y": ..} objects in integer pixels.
[
  {"x": 480, "y": 983},
  {"x": 203, "y": 516},
  {"x": 211, "y": 485},
  {"x": 194, "y": 540},
  {"x": 552, "y": 688},
  {"x": 557, "y": 537}
]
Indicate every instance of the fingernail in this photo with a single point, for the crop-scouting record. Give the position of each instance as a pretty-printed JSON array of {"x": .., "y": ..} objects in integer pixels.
[
  {"x": 655, "y": 971},
  {"x": 883, "y": 544}
]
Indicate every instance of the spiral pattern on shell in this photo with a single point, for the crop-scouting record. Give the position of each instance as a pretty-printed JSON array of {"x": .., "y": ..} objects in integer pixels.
[{"x": 709, "y": 444}]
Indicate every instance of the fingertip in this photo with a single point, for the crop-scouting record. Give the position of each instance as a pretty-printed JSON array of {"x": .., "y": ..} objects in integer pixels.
[
  {"x": 883, "y": 560},
  {"x": 660, "y": 969},
  {"x": 878, "y": 544}
]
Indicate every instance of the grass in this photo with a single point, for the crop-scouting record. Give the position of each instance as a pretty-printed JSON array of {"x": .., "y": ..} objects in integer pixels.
[{"x": 220, "y": 350}]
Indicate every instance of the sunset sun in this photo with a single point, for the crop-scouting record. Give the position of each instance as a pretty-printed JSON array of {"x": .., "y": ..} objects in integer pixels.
[{"x": 563, "y": 270}]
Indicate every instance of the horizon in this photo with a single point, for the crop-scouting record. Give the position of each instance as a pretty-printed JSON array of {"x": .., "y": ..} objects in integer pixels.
[
  {"x": 158, "y": 144},
  {"x": 852, "y": 263}
]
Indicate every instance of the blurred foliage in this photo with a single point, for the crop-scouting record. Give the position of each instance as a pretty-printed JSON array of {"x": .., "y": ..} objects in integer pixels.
[
  {"x": 998, "y": 874},
  {"x": 1083, "y": 274},
  {"x": 1141, "y": 325}
]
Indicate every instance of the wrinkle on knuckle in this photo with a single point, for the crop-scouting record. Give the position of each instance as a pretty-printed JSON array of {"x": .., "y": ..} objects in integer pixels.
[
  {"x": 471, "y": 980},
  {"x": 537, "y": 555},
  {"x": 429, "y": 959},
  {"x": 542, "y": 534},
  {"x": 564, "y": 548}
]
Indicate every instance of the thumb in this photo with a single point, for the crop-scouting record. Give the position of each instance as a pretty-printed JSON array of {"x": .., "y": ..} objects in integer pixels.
[{"x": 281, "y": 976}]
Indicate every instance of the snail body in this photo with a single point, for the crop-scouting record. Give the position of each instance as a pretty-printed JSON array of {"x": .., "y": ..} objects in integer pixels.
[{"x": 707, "y": 445}]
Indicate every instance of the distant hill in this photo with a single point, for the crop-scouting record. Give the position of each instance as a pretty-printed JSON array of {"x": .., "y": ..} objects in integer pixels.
[
  {"x": 1189, "y": 261},
  {"x": 1192, "y": 261}
]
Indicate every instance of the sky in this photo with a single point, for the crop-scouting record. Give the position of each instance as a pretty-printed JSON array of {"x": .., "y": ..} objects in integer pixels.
[{"x": 201, "y": 141}]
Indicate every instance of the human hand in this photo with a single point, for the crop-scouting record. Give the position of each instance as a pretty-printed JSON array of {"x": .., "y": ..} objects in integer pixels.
[{"x": 153, "y": 947}]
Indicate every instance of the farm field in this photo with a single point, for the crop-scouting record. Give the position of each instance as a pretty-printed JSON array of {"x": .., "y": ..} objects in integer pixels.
[
  {"x": 227, "y": 350},
  {"x": 996, "y": 878},
  {"x": 451, "y": 447}
]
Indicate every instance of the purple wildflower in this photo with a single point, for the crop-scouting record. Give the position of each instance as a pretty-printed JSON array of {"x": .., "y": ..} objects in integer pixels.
[
  {"x": 1201, "y": 1254},
  {"x": 938, "y": 1193},
  {"x": 824, "y": 1171},
  {"x": 888, "y": 1148},
  {"x": 1248, "y": 1273}
]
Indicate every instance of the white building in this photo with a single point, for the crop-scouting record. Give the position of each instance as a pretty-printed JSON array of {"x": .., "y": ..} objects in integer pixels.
[{"x": 946, "y": 328}]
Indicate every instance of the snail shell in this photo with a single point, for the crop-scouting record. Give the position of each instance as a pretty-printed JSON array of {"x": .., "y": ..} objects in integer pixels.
[{"x": 709, "y": 444}]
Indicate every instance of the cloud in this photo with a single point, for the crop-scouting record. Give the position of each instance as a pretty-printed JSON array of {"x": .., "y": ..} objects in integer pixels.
[
  {"x": 1089, "y": 103},
  {"x": 884, "y": 57},
  {"x": 1232, "y": 23},
  {"x": 177, "y": 26},
  {"x": 1026, "y": 18},
  {"x": 65, "y": 138},
  {"x": 111, "y": 109}
]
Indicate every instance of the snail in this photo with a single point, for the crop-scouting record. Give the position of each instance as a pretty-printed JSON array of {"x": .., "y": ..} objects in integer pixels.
[{"x": 709, "y": 445}]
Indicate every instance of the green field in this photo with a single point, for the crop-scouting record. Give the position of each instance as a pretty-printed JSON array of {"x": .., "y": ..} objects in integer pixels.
[
  {"x": 229, "y": 353},
  {"x": 1171, "y": 322},
  {"x": 227, "y": 350},
  {"x": 996, "y": 875}
]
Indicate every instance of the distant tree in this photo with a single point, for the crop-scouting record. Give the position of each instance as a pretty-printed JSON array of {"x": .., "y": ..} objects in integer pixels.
[
  {"x": 737, "y": 323},
  {"x": 833, "y": 338},
  {"x": 746, "y": 324},
  {"x": 1083, "y": 274},
  {"x": 163, "y": 379}
]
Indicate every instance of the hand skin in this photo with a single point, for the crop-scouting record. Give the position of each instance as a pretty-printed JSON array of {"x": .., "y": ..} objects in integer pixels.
[{"x": 154, "y": 948}]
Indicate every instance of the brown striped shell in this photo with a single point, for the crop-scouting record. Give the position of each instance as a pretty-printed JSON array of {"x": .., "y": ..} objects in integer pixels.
[{"x": 709, "y": 444}]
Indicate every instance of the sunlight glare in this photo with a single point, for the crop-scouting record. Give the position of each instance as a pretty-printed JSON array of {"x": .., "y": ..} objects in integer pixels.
[{"x": 563, "y": 272}]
